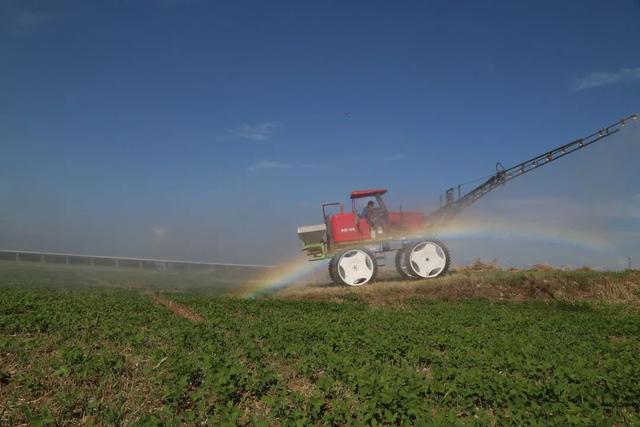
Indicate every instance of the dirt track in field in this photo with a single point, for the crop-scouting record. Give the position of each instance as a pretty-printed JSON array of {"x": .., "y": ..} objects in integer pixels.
[{"x": 177, "y": 309}]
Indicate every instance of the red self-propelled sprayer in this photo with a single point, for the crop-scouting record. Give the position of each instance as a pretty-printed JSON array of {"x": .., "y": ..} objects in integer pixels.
[{"x": 356, "y": 243}]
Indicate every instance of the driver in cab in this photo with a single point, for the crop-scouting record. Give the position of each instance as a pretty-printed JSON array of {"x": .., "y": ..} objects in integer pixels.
[
  {"x": 370, "y": 215},
  {"x": 367, "y": 212}
]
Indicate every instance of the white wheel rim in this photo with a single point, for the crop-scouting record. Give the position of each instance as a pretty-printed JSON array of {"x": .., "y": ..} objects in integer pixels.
[
  {"x": 355, "y": 267},
  {"x": 427, "y": 259}
]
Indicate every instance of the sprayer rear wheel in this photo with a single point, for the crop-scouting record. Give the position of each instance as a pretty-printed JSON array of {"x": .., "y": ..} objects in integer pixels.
[
  {"x": 401, "y": 265},
  {"x": 353, "y": 267},
  {"x": 428, "y": 259}
]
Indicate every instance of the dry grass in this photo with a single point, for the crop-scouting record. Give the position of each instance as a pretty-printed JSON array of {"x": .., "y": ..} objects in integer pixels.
[
  {"x": 546, "y": 285},
  {"x": 295, "y": 382},
  {"x": 479, "y": 265},
  {"x": 618, "y": 291},
  {"x": 544, "y": 267}
]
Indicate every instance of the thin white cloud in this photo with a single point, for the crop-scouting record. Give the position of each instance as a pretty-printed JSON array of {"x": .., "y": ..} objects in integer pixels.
[
  {"x": 394, "y": 157},
  {"x": 268, "y": 164},
  {"x": 256, "y": 132},
  {"x": 19, "y": 20},
  {"x": 605, "y": 78}
]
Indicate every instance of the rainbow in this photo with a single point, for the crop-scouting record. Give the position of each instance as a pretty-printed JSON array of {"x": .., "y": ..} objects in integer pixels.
[
  {"x": 592, "y": 239},
  {"x": 299, "y": 271},
  {"x": 296, "y": 271}
]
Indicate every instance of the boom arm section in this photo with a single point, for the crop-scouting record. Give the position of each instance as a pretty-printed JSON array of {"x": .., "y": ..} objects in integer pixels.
[{"x": 453, "y": 206}]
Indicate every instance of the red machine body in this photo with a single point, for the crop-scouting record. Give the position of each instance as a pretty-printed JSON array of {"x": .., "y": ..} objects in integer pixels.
[{"x": 348, "y": 227}]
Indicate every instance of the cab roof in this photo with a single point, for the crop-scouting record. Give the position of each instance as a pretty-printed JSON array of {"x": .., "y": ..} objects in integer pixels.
[{"x": 357, "y": 194}]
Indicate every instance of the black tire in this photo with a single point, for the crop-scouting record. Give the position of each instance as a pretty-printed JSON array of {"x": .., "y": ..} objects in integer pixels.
[
  {"x": 332, "y": 262},
  {"x": 414, "y": 268},
  {"x": 401, "y": 265},
  {"x": 334, "y": 267}
]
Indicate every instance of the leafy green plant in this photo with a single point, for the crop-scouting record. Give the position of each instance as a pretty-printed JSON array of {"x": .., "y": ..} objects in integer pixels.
[{"x": 113, "y": 356}]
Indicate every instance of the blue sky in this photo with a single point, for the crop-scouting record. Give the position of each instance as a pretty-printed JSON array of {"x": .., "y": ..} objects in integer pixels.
[{"x": 210, "y": 130}]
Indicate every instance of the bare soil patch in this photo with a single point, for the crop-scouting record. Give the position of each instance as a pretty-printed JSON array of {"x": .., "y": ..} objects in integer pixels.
[{"x": 177, "y": 309}]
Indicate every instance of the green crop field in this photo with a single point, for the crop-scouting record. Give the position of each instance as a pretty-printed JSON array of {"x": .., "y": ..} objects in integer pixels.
[{"x": 99, "y": 346}]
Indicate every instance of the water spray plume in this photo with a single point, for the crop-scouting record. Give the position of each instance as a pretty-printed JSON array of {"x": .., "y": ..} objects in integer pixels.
[
  {"x": 481, "y": 228},
  {"x": 296, "y": 271},
  {"x": 299, "y": 271}
]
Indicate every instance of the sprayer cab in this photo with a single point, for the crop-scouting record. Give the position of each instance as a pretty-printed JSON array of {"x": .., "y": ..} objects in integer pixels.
[{"x": 363, "y": 224}]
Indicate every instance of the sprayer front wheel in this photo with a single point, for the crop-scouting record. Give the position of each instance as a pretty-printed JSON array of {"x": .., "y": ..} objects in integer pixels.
[
  {"x": 353, "y": 267},
  {"x": 428, "y": 259},
  {"x": 401, "y": 265}
]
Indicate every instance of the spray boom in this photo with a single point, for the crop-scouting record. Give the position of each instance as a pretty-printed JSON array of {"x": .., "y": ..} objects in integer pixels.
[{"x": 453, "y": 206}]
